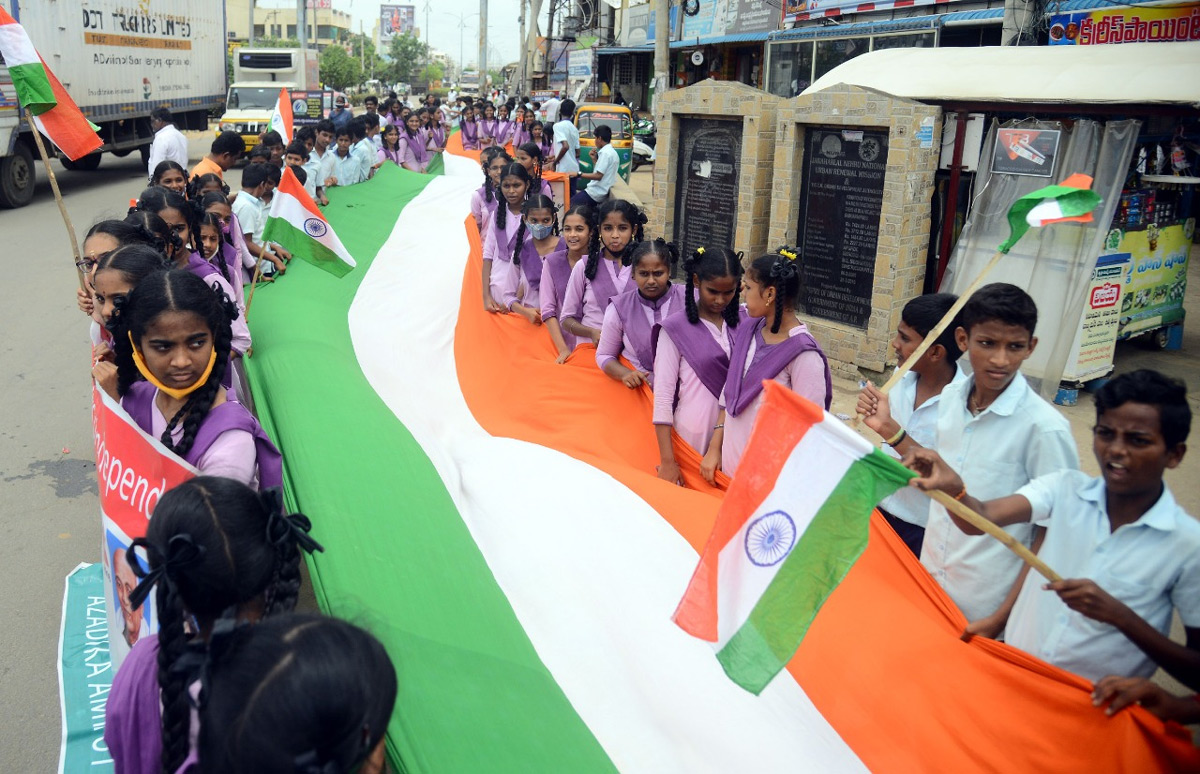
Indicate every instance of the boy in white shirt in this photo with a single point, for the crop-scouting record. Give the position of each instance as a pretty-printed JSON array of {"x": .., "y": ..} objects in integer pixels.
[
  {"x": 252, "y": 215},
  {"x": 1128, "y": 553},
  {"x": 566, "y": 144}
]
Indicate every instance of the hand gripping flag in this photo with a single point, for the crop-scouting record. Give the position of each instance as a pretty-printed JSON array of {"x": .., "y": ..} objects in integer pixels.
[
  {"x": 1071, "y": 201},
  {"x": 281, "y": 116},
  {"x": 296, "y": 222},
  {"x": 792, "y": 525},
  {"x": 52, "y": 110}
]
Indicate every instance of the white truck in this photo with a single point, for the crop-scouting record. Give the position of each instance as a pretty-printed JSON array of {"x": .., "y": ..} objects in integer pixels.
[
  {"x": 118, "y": 60},
  {"x": 258, "y": 75}
]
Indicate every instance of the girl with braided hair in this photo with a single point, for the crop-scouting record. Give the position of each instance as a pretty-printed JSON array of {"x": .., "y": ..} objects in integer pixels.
[
  {"x": 691, "y": 358},
  {"x": 174, "y": 331},
  {"x": 233, "y": 243},
  {"x": 500, "y": 239},
  {"x": 518, "y": 282},
  {"x": 520, "y": 132},
  {"x": 630, "y": 319},
  {"x": 168, "y": 174},
  {"x": 529, "y": 155},
  {"x": 298, "y": 694},
  {"x": 772, "y": 344},
  {"x": 102, "y": 239},
  {"x": 206, "y": 183},
  {"x": 605, "y": 274},
  {"x": 116, "y": 274},
  {"x": 468, "y": 124},
  {"x": 485, "y": 200},
  {"x": 577, "y": 228},
  {"x": 538, "y": 136},
  {"x": 173, "y": 208},
  {"x": 218, "y": 553}
]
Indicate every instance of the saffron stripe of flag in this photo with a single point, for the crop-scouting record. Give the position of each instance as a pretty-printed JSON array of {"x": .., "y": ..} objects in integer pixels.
[
  {"x": 281, "y": 116},
  {"x": 297, "y": 223},
  {"x": 1071, "y": 201},
  {"x": 792, "y": 525},
  {"x": 53, "y": 111}
]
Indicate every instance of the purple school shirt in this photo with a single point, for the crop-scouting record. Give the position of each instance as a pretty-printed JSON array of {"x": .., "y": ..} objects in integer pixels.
[
  {"x": 552, "y": 290},
  {"x": 482, "y": 209},
  {"x": 629, "y": 324},
  {"x": 133, "y": 714},
  {"x": 522, "y": 282},
  {"x": 520, "y": 135},
  {"x": 497, "y": 247},
  {"x": 417, "y": 148},
  {"x": 470, "y": 134},
  {"x": 683, "y": 397},
  {"x": 586, "y": 300}
]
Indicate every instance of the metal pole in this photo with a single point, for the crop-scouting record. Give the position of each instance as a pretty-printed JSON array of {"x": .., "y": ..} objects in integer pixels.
[
  {"x": 483, "y": 25},
  {"x": 302, "y": 26},
  {"x": 662, "y": 35},
  {"x": 521, "y": 59},
  {"x": 250, "y": 32}
]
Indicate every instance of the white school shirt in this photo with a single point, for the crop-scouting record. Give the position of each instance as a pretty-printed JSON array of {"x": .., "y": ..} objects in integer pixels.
[
  {"x": 920, "y": 423},
  {"x": 1150, "y": 565},
  {"x": 169, "y": 145},
  {"x": 1016, "y": 439},
  {"x": 565, "y": 133},
  {"x": 251, "y": 215},
  {"x": 312, "y": 168},
  {"x": 607, "y": 164}
]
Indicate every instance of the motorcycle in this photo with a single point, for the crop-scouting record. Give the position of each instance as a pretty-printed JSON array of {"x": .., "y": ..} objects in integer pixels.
[
  {"x": 642, "y": 154},
  {"x": 644, "y": 128}
]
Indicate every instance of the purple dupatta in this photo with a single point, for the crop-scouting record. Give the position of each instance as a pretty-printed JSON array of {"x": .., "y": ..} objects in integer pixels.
[
  {"x": 698, "y": 348},
  {"x": 769, "y": 360},
  {"x": 637, "y": 328}
]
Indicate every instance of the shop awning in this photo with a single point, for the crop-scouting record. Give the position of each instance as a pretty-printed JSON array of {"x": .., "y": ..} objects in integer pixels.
[
  {"x": 910, "y": 24},
  {"x": 1129, "y": 73},
  {"x": 611, "y": 50},
  {"x": 718, "y": 40}
]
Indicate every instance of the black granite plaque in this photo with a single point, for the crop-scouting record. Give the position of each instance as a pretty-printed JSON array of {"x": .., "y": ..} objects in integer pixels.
[
  {"x": 841, "y": 195},
  {"x": 706, "y": 188}
]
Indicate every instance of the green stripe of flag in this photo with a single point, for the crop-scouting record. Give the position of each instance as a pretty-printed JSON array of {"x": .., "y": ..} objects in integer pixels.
[
  {"x": 34, "y": 91},
  {"x": 820, "y": 560},
  {"x": 474, "y": 696},
  {"x": 304, "y": 247}
]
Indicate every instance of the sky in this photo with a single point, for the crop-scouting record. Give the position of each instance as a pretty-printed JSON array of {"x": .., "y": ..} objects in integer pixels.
[{"x": 503, "y": 29}]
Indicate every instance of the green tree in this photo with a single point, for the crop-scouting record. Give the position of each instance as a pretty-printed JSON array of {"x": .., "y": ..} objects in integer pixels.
[
  {"x": 339, "y": 70},
  {"x": 407, "y": 52},
  {"x": 363, "y": 49},
  {"x": 433, "y": 72}
]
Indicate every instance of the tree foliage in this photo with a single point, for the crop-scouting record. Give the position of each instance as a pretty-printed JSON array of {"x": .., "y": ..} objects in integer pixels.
[
  {"x": 339, "y": 70},
  {"x": 407, "y": 53},
  {"x": 433, "y": 72}
]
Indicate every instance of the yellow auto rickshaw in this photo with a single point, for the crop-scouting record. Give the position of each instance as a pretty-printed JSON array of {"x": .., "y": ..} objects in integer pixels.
[{"x": 590, "y": 115}]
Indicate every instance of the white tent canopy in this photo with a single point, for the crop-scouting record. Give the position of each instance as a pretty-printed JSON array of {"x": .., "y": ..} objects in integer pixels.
[{"x": 1129, "y": 73}]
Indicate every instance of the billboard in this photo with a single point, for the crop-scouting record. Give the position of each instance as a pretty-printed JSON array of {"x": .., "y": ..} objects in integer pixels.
[
  {"x": 395, "y": 20},
  {"x": 1125, "y": 25}
]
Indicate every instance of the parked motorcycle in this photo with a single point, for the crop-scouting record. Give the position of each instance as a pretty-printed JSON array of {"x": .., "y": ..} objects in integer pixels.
[
  {"x": 642, "y": 153},
  {"x": 644, "y": 128}
]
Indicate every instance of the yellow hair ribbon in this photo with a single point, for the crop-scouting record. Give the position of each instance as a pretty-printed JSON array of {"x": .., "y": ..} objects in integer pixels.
[
  {"x": 788, "y": 254},
  {"x": 140, "y": 362},
  {"x": 699, "y": 251}
]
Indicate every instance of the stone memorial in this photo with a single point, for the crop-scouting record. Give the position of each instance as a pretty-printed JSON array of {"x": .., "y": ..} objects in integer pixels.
[{"x": 706, "y": 182}]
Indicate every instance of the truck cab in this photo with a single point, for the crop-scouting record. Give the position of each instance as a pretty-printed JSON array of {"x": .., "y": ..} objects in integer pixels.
[{"x": 258, "y": 75}]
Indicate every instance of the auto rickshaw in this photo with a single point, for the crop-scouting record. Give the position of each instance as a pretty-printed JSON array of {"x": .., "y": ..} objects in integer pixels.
[{"x": 618, "y": 118}]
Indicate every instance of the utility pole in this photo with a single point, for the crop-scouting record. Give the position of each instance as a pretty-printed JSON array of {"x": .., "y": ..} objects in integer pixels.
[
  {"x": 662, "y": 38},
  {"x": 529, "y": 42},
  {"x": 483, "y": 26},
  {"x": 302, "y": 26},
  {"x": 520, "y": 85},
  {"x": 250, "y": 31}
]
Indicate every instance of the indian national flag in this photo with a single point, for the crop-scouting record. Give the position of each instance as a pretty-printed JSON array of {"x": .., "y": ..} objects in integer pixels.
[
  {"x": 297, "y": 223},
  {"x": 496, "y": 520},
  {"x": 53, "y": 111},
  {"x": 1071, "y": 201},
  {"x": 787, "y": 534},
  {"x": 281, "y": 116}
]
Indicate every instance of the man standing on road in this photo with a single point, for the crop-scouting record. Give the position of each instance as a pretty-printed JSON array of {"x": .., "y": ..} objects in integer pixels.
[
  {"x": 550, "y": 108},
  {"x": 605, "y": 163},
  {"x": 169, "y": 143},
  {"x": 566, "y": 144},
  {"x": 340, "y": 115}
]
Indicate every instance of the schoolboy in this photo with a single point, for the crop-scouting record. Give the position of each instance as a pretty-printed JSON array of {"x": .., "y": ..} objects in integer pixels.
[
  {"x": 259, "y": 154},
  {"x": 322, "y": 156},
  {"x": 251, "y": 214},
  {"x": 297, "y": 156},
  {"x": 906, "y": 418},
  {"x": 224, "y": 152},
  {"x": 566, "y": 144},
  {"x": 371, "y": 139},
  {"x": 1127, "y": 552},
  {"x": 342, "y": 166},
  {"x": 1000, "y": 435},
  {"x": 273, "y": 141},
  {"x": 362, "y": 149}
]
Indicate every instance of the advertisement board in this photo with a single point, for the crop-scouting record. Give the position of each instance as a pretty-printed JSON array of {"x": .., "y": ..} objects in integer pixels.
[
  {"x": 638, "y": 27},
  {"x": 1156, "y": 277},
  {"x": 395, "y": 20},
  {"x": 309, "y": 107},
  {"x": 801, "y": 10},
  {"x": 1125, "y": 25},
  {"x": 1096, "y": 339},
  {"x": 1021, "y": 151}
]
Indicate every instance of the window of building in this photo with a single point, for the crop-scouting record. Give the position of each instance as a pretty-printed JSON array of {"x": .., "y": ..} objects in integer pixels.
[
  {"x": 791, "y": 68},
  {"x": 918, "y": 40},
  {"x": 831, "y": 53}
]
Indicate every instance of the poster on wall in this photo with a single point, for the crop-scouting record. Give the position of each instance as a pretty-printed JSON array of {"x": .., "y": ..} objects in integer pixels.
[
  {"x": 638, "y": 28},
  {"x": 1125, "y": 25},
  {"x": 1156, "y": 276},
  {"x": 708, "y": 20},
  {"x": 395, "y": 20},
  {"x": 801, "y": 10},
  {"x": 309, "y": 107},
  {"x": 1030, "y": 152},
  {"x": 1096, "y": 339},
  {"x": 742, "y": 16}
]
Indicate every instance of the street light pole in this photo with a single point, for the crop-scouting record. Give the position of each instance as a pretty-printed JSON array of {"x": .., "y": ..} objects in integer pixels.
[{"x": 483, "y": 25}]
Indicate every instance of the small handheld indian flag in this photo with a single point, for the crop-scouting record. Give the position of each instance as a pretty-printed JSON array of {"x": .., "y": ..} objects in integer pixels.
[
  {"x": 296, "y": 222},
  {"x": 281, "y": 116},
  {"x": 1071, "y": 201},
  {"x": 792, "y": 525},
  {"x": 53, "y": 111}
]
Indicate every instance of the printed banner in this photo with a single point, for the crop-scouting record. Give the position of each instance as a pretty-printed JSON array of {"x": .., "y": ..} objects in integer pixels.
[
  {"x": 133, "y": 471},
  {"x": 816, "y": 9},
  {"x": 1031, "y": 152},
  {"x": 85, "y": 673},
  {"x": 1096, "y": 339},
  {"x": 1156, "y": 276},
  {"x": 1125, "y": 25},
  {"x": 309, "y": 107},
  {"x": 395, "y": 20}
]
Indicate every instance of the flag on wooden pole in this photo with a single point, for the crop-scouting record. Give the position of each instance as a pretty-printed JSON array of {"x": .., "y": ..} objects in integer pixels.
[
  {"x": 281, "y": 116},
  {"x": 297, "y": 223},
  {"x": 1071, "y": 201}
]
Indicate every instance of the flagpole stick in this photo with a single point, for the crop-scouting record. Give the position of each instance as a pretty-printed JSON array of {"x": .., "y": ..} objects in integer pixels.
[
  {"x": 978, "y": 521},
  {"x": 253, "y": 284},
  {"x": 62, "y": 207}
]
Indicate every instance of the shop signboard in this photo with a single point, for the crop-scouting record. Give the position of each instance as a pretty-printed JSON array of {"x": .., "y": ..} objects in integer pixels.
[
  {"x": 801, "y": 10},
  {"x": 743, "y": 16},
  {"x": 707, "y": 22},
  {"x": 1096, "y": 339},
  {"x": 309, "y": 107},
  {"x": 395, "y": 20},
  {"x": 1125, "y": 25},
  {"x": 638, "y": 28},
  {"x": 1031, "y": 152},
  {"x": 1156, "y": 277}
]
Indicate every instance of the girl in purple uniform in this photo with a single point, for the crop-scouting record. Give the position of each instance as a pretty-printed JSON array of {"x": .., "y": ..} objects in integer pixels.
[
  {"x": 605, "y": 274},
  {"x": 504, "y": 127},
  {"x": 537, "y": 135},
  {"x": 521, "y": 278},
  {"x": 174, "y": 332},
  {"x": 520, "y": 132},
  {"x": 499, "y": 239},
  {"x": 577, "y": 227},
  {"x": 781, "y": 349},
  {"x": 219, "y": 553},
  {"x": 529, "y": 156},
  {"x": 485, "y": 200},
  {"x": 691, "y": 357},
  {"x": 630, "y": 319}
]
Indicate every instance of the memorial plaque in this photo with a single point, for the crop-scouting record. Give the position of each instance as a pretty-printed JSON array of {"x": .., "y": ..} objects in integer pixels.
[
  {"x": 706, "y": 188},
  {"x": 841, "y": 196}
]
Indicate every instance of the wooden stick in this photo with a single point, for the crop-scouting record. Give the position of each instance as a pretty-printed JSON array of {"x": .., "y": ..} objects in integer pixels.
[
  {"x": 253, "y": 285},
  {"x": 62, "y": 207},
  {"x": 976, "y": 520}
]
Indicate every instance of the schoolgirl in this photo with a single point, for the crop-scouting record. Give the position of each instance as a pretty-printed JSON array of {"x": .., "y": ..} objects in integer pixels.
[
  {"x": 529, "y": 156},
  {"x": 773, "y": 344},
  {"x": 577, "y": 228},
  {"x": 489, "y": 127},
  {"x": 207, "y": 183},
  {"x": 630, "y": 319},
  {"x": 103, "y": 238},
  {"x": 219, "y": 554},
  {"x": 170, "y": 175},
  {"x": 521, "y": 278},
  {"x": 486, "y": 199},
  {"x": 174, "y": 331},
  {"x": 174, "y": 209},
  {"x": 298, "y": 694},
  {"x": 116, "y": 274},
  {"x": 392, "y": 112},
  {"x": 437, "y": 129},
  {"x": 520, "y": 128},
  {"x": 504, "y": 126},
  {"x": 233, "y": 244},
  {"x": 605, "y": 274},
  {"x": 500, "y": 238},
  {"x": 537, "y": 135},
  {"x": 390, "y": 150},
  {"x": 691, "y": 356},
  {"x": 418, "y": 156},
  {"x": 468, "y": 124}
]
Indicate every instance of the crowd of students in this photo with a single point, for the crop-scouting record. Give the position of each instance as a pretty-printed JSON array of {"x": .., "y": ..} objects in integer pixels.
[{"x": 164, "y": 289}]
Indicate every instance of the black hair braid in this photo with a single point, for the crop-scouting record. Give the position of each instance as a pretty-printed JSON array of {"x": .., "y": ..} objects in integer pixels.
[
  {"x": 176, "y": 711},
  {"x": 784, "y": 276},
  {"x": 689, "y": 300},
  {"x": 516, "y": 256},
  {"x": 732, "y": 313},
  {"x": 501, "y": 219},
  {"x": 200, "y": 402},
  {"x": 127, "y": 372},
  {"x": 284, "y": 588},
  {"x": 778, "y": 321},
  {"x": 593, "y": 259}
]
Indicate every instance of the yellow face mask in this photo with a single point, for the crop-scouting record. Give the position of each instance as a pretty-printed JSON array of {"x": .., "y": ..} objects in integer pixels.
[{"x": 140, "y": 362}]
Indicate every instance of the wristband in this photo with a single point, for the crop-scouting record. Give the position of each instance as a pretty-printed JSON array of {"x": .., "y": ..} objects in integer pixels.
[
  {"x": 961, "y": 494},
  {"x": 718, "y": 427},
  {"x": 897, "y": 438}
]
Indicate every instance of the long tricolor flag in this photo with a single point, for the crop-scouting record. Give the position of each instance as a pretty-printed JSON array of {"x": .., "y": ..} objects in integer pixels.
[
  {"x": 53, "y": 111},
  {"x": 297, "y": 223},
  {"x": 792, "y": 525},
  {"x": 281, "y": 116},
  {"x": 1071, "y": 201}
]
